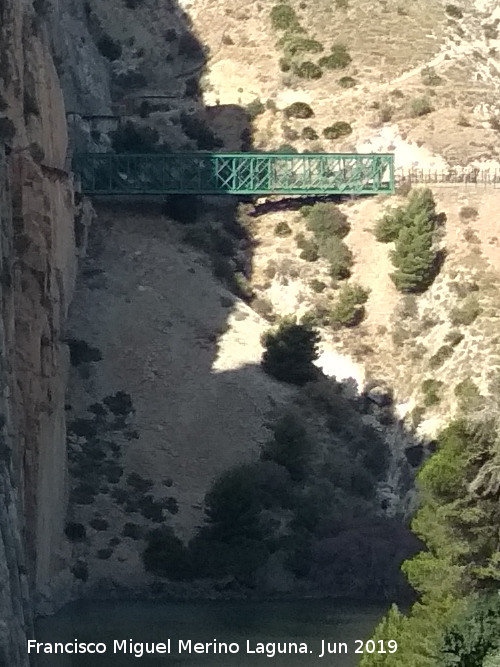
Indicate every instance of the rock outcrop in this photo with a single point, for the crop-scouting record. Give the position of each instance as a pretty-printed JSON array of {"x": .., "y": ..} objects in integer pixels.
[{"x": 37, "y": 274}]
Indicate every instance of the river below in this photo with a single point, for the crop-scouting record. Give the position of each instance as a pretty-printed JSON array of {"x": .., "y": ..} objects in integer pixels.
[{"x": 303, "y": 623}]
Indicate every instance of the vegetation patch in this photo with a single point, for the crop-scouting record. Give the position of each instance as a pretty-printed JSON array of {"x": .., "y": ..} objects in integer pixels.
[
  {"x": 109, "y": 48},
  {"x": 282, "y": 228},
  {"x": 289, "y": 352},
  {"x": 413, "y": 229},
  {"x": 308, "y": 70},
  {"x": 309, "y": 133},
  {"x": 325, "y": 219},
  {"x": 420, "y": 106},
  {"x": 283, "y": 17},
  {"x": 349, "y": 309},
  {"x": 469, "y": 396},
  {"x": 438, "y": 359},
  {"x": 467, "y": 313},
  {"x": 299, "y": 110},
  {"x": 347, "y": 82},
  {"x": 337, "y": 59},
  {"x": 339, "y": 129},
  {"x": 431, "y": 389}
]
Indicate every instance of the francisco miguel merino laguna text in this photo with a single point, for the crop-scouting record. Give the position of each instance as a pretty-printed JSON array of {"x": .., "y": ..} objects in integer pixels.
[
  {"x": 268, "y": 649},
  {"x": 138, "y": 649}
]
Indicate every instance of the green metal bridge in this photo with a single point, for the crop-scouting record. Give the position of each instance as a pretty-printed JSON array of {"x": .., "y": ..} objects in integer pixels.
[{"x": 235, "y": 173}]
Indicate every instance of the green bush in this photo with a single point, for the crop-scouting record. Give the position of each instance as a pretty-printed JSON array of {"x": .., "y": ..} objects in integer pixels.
[
  {"x": 467, "y": 312},
  {"x": 308, "y": 70},
  {"x": 390, "y": 225},
  {"x": 166, "y": 555},
  {"x": 454, "y": 338},
  {"x": 468, "y": 395},
  {"x": 317, "y": 286},
  {"x": 337, "y": 59},
  {"x": 349, "y": 310},
  {"x": 290, "y": 350},
  {"x": 308, "y": 246},
  {"x": 283, "y": 17},
  {"x": 309, "y": 133},
  {"x": 454, "y": 11},
  {"x": 324, "y": 219},
  {"x": 431, "y": 389},
  {"x": 338, "y": 255},
  {"x": 430, "y": 77},
  {"x": 347, "y": 82},
  {"x": 337, "y": 130},
  {"x": 289, "y": 447},
  {"x": 286, "y": 148},
  {"x": 468, "y": 213},
  {"x": 282, "y": 228},
  {"x": 299, "y": 110},
  {"x": 255, "y": 108},
  {"x": 413, "y": 228},
  {"x": 294, "y": 44},
  {"x": 109, "y": 48},
  {"x": 285, "y": 64},
  {"x": 420, "y": 106},
  {"x": 438, "y": 359}
]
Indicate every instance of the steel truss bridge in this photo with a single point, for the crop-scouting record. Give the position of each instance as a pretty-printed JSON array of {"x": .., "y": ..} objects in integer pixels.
[{"x": 235, "y": 173}]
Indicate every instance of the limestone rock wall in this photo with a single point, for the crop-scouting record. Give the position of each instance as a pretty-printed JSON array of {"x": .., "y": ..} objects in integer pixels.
[{"x": 38, "y": 260}]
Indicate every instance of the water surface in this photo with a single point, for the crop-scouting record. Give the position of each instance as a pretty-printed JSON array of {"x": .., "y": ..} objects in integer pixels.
[{"x": 307, "y": 621}]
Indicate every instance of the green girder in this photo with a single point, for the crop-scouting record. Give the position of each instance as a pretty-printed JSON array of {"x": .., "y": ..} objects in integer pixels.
[{"x": 235, "y": 173}]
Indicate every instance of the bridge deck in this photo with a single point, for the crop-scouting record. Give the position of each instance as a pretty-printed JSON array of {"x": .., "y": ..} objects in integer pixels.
[{"x": 235, "y": 173}]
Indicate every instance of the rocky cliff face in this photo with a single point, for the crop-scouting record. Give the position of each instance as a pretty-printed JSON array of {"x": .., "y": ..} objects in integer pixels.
[{"x": 38, "y": 268}]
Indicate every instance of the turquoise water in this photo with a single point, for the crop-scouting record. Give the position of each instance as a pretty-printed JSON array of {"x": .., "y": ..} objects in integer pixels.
[{"x": 307, "y": 621}]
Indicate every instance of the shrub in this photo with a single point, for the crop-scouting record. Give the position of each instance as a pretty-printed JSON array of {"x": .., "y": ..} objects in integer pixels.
[
  {"x": 454, "y": 11},
  {"x": 282, "y": 228},
  {"x": 309, "y": 133},
  {"x": 283, "y": 17},
  {"x": 98, "y": 523},
  {"x": 317, "y": 286},
  {"x": 469, "y": 397},
  {"x": 308, "y": 70},
  {"x": 139, "y": 483},
  {"x": 468, "y": 213},
  {"x": 294, "y": 44},
  {"x": 454, "y": 338},
  {"x": 166, "y": 555},
  {"x": 7, "y": 130},
  {"x": 420, "y": 106},
  {"x": 130, "y": 138},
  {"x": 414, "y": 258},
  {"x": 75, "y": 532},
  {"x": 390, "y": 225},
  {"x": 196, "y": 128},
  {"x": 338, "y": 255},
  {"x": 289, "y": 447},
  {"x": 337, "y": 130},
  {"x": 347, "y": 82},
  {"x": 290, "y": 351},
  {"x": 342, "y": 4},
  {"x": 438, "y": 359},
  {"x": 255, "y": 108},
  {"x": 324, "y": 219},
  {"x": 349, "y": 310},
  {"x": 431, "y": 389},
  {"x": 285, "y": 64},
  {"x": 286, "y": 148},
  {"x": 309, "y": 250},
  {"x": 430, "y": 77},
  {"x": 337, "y": 59},
  {"x": 299, "y": 110},
  {"x": 109, "y": 48},
  {"x": 264, "y": 308},
  {"x": 466, "y": 313}
]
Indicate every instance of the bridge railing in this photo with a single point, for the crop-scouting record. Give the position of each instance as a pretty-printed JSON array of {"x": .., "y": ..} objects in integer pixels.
[
  {"x": 467, "y": 176},
  {"x": 235, "y": 173}
]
